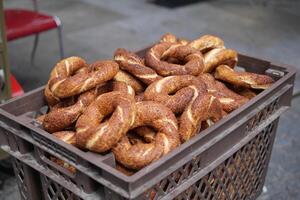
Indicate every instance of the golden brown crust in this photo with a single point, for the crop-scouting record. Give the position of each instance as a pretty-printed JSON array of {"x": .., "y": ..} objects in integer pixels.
[
  {"x": 134, "y": 65},
  {"x": 64, "y": 68},
  {"x": 208, "y": 123},
  {"x": 219, "y": 56},
  {"x": 68, "y": 66},
  {"x": 243, "y": 79},
  {"x": 228, "y": 99},
  {"x": 115, "y": 86},
  {"x": 169, "y": 37},
  {"x": 206, "y": 43},
  {"x": 204, "y": 107},
  {"x": 49, "y": 96},
  {"x": 175, "y": 92},
  {"x": 167, "y": 138},
  {"x": 97, "y": 135},
  {"x": 73, "y": 84},
  {"x": 64, "y": 103},
  {"x": 40, "y": 119},
  {"x": 68, "y": 137},
  {"x": 65, "y": 113},
  {"x": 182, "y": 41},
  {"x": 123, "y": 87},
  {"x": 123, "y": 76},
  {"x": 61, "y": 118},
  {"x": 192, "y": 59}
]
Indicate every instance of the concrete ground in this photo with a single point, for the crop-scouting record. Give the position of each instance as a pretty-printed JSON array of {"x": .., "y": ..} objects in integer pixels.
[{"x": 93, "y": 29}]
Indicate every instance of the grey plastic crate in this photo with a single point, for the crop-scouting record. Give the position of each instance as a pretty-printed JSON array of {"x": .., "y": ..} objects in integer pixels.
[{"x": 226, "y": 161}]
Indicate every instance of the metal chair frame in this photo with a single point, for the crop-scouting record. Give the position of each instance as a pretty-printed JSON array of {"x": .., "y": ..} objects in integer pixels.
[{"x": 36, "y": 37}]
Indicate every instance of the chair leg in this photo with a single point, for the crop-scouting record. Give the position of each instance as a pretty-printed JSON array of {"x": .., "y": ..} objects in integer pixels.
[
  {"x": 61, "y": 45},
  {"x": 35, "y": 43}
]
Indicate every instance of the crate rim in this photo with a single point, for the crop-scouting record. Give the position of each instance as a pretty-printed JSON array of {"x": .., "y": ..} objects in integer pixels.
[
  {"x": 289, "y": 72},
  {"x": 286, "y": 68}
]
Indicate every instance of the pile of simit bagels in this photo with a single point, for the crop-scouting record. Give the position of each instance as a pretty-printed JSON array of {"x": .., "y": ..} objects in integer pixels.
[{"x": 141, "y": 108}]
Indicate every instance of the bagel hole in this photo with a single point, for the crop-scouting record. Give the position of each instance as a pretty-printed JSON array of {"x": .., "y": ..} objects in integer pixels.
[
  {"x": 174, "y": 60},
  {"x": 228, "y": 85},
  {"x": 134, "y": 138},
  {"x": 144, "y": 133},
  {"x": 63, "y": 103},
  {"x": 69, "y": 101},
  {"x": 107, "y": 117},
  {"x": 204, "y": 125},
  {"x": 71, "y": 127},
  {"x": 204, "y": 51},
  {"x": 178, "y": 115},
  {"x": 239, "y": 90},
  {"x": 172, "y": 92}
]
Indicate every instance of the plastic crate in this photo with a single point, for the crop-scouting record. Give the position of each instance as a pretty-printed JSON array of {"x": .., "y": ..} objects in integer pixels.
[{"x": 226, "y": 161}]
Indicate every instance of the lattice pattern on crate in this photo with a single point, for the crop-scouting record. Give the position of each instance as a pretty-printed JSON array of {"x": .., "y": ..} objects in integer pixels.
[
  {"x": 186, "y": 171},
  {"x": 175, "y": 179},
  {"x": 262, "y": 115},
  {"x": 20, "y": 176},
  {"x": 55, "y": 191},
  {"x": 240, "y": 177}
]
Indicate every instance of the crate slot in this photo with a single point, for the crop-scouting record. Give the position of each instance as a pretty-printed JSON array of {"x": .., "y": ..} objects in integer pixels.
[{"x": 53, "y": 190}]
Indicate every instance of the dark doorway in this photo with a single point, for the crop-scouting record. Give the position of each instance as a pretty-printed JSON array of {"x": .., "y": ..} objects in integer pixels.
[{"x": 174, "y": 3}]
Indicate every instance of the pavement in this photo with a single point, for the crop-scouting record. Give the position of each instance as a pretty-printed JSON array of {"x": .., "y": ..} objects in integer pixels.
[{"x": 93, "y": 29}]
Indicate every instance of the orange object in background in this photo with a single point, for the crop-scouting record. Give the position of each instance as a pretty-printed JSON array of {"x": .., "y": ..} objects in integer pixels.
[{"x": 16, "y": 88}]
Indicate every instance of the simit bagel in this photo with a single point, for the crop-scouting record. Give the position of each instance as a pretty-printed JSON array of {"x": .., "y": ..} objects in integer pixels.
[
  {"x": 71, "y": 84},
  {"x": 100, "y": 135},
  {"x": 175, "y": 92},
  {"x": 139, "y": 155},
  {"x": 133, "y": 64},
  {"x": 192, "y": 60},
  {"x": 244, "y": 79}
]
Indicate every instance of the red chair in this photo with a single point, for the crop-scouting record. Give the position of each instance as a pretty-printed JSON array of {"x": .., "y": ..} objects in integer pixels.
[{"x": 22, "y": 23}]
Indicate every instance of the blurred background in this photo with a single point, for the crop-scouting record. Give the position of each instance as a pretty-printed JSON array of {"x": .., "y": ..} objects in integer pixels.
[{"x": 93, "y": 29}]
